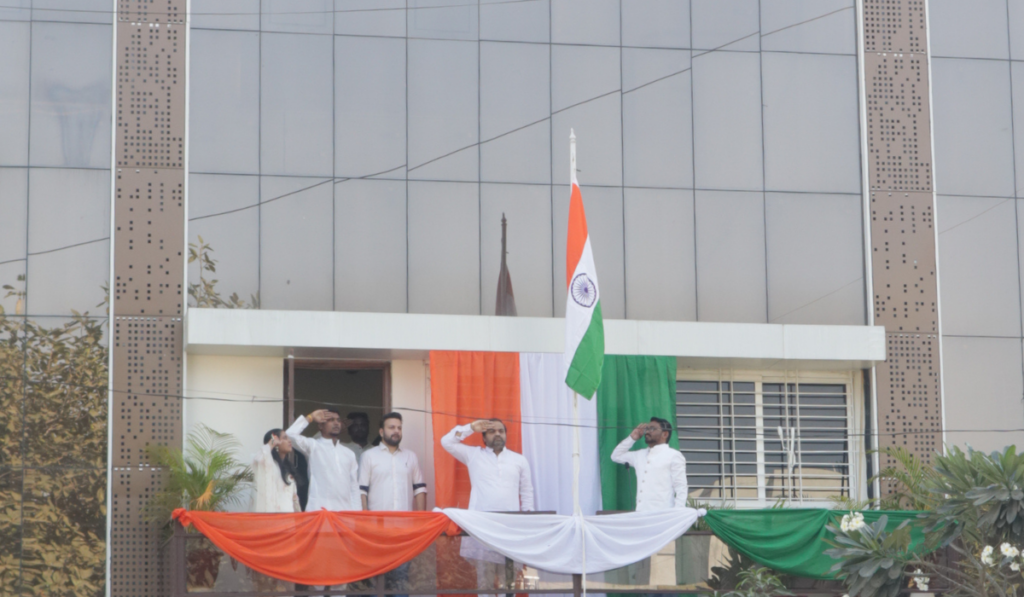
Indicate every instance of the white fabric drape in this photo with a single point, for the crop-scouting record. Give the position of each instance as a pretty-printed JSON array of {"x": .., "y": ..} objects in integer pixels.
[
  {"x": 551, "y": 542},
  {"x": 546, "y": 410}
]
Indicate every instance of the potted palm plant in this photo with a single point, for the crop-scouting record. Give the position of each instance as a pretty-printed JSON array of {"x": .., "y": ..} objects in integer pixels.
[{"x": 205, "y": 476}]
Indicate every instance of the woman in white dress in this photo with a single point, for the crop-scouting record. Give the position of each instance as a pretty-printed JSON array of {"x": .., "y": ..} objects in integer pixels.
[
  {"x": 274, "y": 475},
  {"x": 274, "y": 479}
]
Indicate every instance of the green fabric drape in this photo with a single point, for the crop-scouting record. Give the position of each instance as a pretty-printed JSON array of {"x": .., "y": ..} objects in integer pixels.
[
  {"x": 793, "y": 540},
  {"x": 633, "y": 389}
]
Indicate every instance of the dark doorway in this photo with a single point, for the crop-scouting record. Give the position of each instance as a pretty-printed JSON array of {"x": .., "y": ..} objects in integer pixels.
[{"x": 348, "y": 386}]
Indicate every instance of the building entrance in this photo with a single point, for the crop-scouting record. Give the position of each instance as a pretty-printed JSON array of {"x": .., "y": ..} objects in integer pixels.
[{"x": 346, "y": 386}]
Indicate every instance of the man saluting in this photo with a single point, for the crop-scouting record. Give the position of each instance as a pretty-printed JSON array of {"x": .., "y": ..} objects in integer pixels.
[
  {"x": 660, "y": 470},
  {"x": 332, "y": 467},
  {"x": 500, "y": 480}
]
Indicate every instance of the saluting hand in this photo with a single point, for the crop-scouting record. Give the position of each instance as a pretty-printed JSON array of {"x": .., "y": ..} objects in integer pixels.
[
  {"x": 482, "y": 425},
  {"x": 318, "y": 416},
  {"x": 640, "y": 430}
]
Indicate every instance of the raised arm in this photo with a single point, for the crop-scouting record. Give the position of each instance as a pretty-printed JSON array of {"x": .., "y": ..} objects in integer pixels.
[
  {"x": 452, "y": 443},
  {"x": 302, "y": 443},
  {"x": 525, "y": 487},
  {"x": 263, "y": 468},
  {"x": 679, "y": 484},
  {"x": 621, "y": 453}
]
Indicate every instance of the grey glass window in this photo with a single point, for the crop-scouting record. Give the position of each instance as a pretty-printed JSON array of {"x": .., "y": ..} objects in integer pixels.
[
  {"x": 369, "y": 106},
  {"x": 297, "y": 16},
  {"x": 725, "y": 24},
  {"x": 515, "y": 21},
  {"x": 978, "y": 266},
  {"x": 660, "y": 272},
  {"x": 443, "y": 19},
  {"x": 444, "y": 248},
  {"x": 657, "y": 133},
  {"x": 226, "y": 14},
  {"x": 223, "y": 212},
  {"x": 975, "y": 29},
  {"x": 370, "y": 245},
  {"x": 592, "y": 22},
  {"x": 818, "y": 26},
  {"x": 765, "y": 440},
  {"x": 296, "y": 236},
  {"x": 225, "y": 102},
  {"x": 295, "y": 95},
  {"x": 71, "y": 95},
  {"x": 656, "y": 23},
  {"x": 528, "y": 211},
  {"x": 443, "y": 110},
  {"x": 385, "y": 18},
  {"x": 14, "y": 81}
]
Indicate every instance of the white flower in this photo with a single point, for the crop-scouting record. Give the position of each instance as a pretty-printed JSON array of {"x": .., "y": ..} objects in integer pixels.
[
  {"x": 856, "y": 521},
  {"x": 987, "y": 551},
  {"x": 845, "y": 524},
  {"x": 921, "y": 580},
  {"x": 1008, "y": 550},
  {"x": 1015, "y": 567}
]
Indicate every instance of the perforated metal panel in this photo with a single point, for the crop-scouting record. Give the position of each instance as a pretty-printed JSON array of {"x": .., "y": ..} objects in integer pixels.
[
  {"x": 148, "y": 293},
  {"x": 903, "y": 232}
]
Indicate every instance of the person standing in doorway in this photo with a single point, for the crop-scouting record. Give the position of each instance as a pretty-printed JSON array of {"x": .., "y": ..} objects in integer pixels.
[
  {"x": 500, "y": 480},
  {"x": 390, "y": 479},
  {"x": 333, "y": 482},
  {"x": 358, "y": 425}
]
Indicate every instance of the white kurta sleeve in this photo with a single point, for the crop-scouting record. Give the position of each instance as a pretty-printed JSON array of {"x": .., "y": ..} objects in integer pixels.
[
  {"x": 621, "y": 453},
  {"x": 263, "y": 469},
  {"x": 452, "y": 443},
  {"x": 525, "y": 487},
  {"x": 364, "y": 474},
  {"x": 302, "y": 443},
  {"x": 416, "y": 474},
  {"x": 679, "y": 485},
  {"x": 356, "y": 502}
]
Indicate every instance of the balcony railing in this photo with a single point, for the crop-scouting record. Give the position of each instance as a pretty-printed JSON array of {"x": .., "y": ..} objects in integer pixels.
[{"x": 696, "y": 563}]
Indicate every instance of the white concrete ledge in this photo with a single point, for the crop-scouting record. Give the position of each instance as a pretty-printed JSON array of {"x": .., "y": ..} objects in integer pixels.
[{"x": 328, "y": 334}]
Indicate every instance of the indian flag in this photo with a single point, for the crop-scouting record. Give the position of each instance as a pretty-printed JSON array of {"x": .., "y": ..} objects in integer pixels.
[{"x": 584, "y": 326}]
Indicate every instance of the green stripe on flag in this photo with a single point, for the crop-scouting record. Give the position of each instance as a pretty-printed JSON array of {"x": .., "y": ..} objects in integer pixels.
[
  {"x": 634, "y": 389},
  {"x": 584, "y": 374}
]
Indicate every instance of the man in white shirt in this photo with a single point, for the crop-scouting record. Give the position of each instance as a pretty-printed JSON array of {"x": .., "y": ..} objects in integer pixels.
[
  {"x": 500, "y": 480},
  {"x": 660, "y": 470},
  {"x": 390, "y": 479},
  {"x": 333, "y": 484}
]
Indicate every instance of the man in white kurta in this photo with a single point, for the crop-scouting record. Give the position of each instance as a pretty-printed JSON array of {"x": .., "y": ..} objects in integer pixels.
[
  {"x": 333, "y": 484},
  {"x": 500, "y": 482},
  {"x": 660, "y": 469},
  {"x": 660, "y": 485}
]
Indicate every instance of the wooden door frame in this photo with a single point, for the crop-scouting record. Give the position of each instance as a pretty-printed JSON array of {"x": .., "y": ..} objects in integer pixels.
[{"x": 291, "y": 364}]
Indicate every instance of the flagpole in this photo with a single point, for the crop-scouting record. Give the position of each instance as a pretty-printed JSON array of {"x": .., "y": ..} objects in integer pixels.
[{"x": 577, "y": 511}]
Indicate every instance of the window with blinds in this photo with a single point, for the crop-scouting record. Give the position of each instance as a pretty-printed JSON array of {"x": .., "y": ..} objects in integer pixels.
[{"x": 764, "y": 440}]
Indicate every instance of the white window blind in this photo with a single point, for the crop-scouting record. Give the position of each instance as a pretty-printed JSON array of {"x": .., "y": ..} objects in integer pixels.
[{"x": 729, "y": 431}]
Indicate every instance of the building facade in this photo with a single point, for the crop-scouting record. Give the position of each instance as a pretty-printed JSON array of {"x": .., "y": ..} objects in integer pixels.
[{"x": 809, "y": 203}]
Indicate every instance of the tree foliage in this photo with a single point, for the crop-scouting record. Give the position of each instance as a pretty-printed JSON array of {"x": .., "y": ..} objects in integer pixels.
[
  {"x": 53, "y": 418},
  {"x": 204, "y": 293}
]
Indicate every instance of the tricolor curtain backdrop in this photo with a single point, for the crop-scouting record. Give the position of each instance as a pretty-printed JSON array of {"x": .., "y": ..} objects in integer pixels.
[
  {"x": 634, "y": 389},
  {"x": 528, "y": 392}
]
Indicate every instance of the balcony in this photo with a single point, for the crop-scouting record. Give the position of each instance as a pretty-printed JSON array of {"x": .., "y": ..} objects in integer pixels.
[{"x": 696, "y": 563}]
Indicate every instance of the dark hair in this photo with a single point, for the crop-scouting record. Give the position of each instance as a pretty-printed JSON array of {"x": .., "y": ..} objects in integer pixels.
[
  {"x": 389, "y": 416},
  {"x": 665, "y": 426},
  {"x": 334, "y": 410},
  {"x": 362, "y": 416},
  {"x": 503, "y": 425},
  {"x": 285, "y": 466}
]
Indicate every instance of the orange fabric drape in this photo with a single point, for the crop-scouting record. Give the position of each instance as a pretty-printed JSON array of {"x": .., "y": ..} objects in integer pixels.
[
  {"x": 319, "y": 548},
  {"x": 464, "y": 387}
]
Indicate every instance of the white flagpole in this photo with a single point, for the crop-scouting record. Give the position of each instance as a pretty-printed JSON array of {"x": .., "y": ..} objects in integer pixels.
[{"x": 577, "y": 511}]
